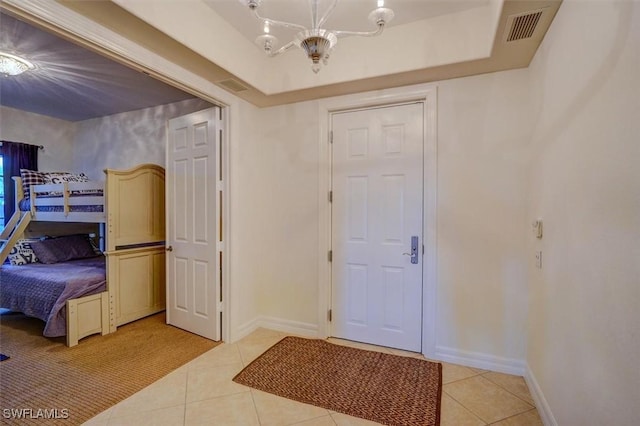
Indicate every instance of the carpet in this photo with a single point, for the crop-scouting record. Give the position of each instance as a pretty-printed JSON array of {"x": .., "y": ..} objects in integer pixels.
[
  {"x": 385, "y": 388},
  {"x": 50, "y": 383}
]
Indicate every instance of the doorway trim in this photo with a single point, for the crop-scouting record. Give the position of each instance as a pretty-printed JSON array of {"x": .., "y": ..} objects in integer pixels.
[
  {"x": 427, "y": 94},
  {"x": 66, "y": 23}
]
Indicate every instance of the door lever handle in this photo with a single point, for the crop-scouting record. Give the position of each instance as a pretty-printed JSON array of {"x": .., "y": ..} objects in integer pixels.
[
  {"x": 414, "y": 250},
  {"x": 170, "y": 248}
]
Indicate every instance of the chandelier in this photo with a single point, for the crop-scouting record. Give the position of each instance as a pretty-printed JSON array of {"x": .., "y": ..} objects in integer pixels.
[
  {"x": 13, "y": 65},
  {"x": 316, "y": 41}
]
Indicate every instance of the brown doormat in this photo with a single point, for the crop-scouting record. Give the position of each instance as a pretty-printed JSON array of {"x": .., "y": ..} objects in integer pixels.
[
  {"x": 46, "y": 382},
  {"x": 384, "y": 388}
]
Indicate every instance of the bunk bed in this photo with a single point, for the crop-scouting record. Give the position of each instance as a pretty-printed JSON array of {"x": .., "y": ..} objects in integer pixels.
[{"x": 125, "y": 282}]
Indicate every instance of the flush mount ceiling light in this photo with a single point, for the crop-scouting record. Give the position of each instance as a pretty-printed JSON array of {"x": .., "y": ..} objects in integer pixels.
[
  {"x": 13, "y": 65},
  {"x": 316, "y": 41}
]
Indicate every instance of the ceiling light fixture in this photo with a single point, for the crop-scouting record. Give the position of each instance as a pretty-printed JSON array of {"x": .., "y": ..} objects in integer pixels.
[
  {"x": 317, "y": 42},
  {"x": 13, "y": 65}
]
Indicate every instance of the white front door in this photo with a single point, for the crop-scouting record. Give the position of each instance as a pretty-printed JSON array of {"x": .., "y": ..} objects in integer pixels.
[
  {"x": 377, "y": 183},
  {"x": 193, "y": 286}
]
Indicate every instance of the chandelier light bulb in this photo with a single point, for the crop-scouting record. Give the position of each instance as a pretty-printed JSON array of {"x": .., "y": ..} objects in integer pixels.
[{"x": 267, "y": 42}]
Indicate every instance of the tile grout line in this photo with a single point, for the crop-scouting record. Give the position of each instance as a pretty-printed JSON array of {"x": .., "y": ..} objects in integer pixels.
[
  {"x": 144, "y": 411},
  {"x": 186, "y": 391},
  {"x": 312, "y": 418},
  {"x": 331, "y": 417},
  {"x": 499, "y": 386},
  {"x": 508, "y": 391},
  {"x": 111, "y": 409},
  {"x": 466, "y": 408},
  {"x": 459, "y": 380},
  {"x": 510, "y": 417},
  {"x": 255, "y": 407},
  {"x": 212, "y": 365}
]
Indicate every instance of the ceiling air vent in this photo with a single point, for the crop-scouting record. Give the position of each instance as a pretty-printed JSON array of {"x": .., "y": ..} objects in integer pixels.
[
  {"x": 233, "y": 85},
  {"x": 523, "y": 25}
]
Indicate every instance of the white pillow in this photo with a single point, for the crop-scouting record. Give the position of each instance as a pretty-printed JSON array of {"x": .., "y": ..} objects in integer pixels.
[{"x": 22, "y": 253}]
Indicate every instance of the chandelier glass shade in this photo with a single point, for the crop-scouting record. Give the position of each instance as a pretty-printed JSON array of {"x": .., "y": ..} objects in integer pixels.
[
  {"x": 13, "y": 65},
  {"x": 316, "y": 41}
]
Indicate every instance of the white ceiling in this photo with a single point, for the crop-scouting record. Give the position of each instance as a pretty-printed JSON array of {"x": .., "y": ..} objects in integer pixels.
[
  {"x": 348, "y": 15},
  {"x": 428, "y": 40}
]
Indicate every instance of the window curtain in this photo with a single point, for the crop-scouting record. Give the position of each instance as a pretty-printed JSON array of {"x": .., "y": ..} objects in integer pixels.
[{"x": 15, "y": 156}]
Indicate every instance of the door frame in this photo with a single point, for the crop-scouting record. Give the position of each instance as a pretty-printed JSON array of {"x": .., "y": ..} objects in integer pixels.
[
  {"x": 426, "y": 94},
  {"x": 66, "y": 23}
]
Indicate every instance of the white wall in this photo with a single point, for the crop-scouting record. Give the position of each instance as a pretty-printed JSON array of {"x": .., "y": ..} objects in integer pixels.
[
  {"x": 584, "y": 321},
  {"x": 483, "y": 134},
  {"x": 117, "y": 141},
  {"x": 248, "y": 199},
  {"x": 122, "y": 141},
  {"x": 274, "y": 216},
  {"x": 289, "y": 139},
  {"x": 55, "y": 135}
]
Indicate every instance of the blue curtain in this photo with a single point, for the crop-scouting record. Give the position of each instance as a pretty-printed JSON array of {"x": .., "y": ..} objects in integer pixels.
[{"x": 15, "y": 156}]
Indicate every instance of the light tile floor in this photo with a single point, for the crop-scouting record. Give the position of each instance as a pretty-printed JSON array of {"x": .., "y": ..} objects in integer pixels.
[{"x": 202, "y": 393}]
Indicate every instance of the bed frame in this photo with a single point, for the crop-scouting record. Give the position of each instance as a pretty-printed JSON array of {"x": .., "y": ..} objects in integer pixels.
[
  {"x": 88, "y": 315},
  {"x": 133, "y": 210},
  {"x": 70, "y": 198}
]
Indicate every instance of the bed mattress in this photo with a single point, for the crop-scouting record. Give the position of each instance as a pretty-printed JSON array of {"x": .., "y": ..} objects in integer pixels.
[{"x": 42, "y": 290}]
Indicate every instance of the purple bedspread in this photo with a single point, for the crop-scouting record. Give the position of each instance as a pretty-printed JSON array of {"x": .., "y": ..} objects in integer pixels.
[{"x": 41, "y": 291}]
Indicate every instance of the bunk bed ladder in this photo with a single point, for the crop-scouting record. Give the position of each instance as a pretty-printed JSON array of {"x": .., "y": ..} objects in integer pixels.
[{"x": 13, "y": 232}]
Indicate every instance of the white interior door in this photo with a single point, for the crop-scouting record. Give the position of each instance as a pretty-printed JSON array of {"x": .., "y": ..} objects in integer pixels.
[
  {"x": 377, "y": 183},
  {"x": 193, "y": 290}
]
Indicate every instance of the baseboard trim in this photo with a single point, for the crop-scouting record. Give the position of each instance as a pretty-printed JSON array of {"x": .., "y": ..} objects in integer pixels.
[
  {"x": 244, "y": 330},
  {"x": 480, "y": 360},
  {"x": 538, "y": 397},
  {"x": 278, "y": 324}
]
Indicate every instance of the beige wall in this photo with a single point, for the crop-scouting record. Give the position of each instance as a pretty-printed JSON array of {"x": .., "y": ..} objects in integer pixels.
[
  {"x": 274, "y": 219},
  {"x": 289, "y": 214},
  {"x": 483, "y": 133},
  {"x": 584, "y": 181},
  {"x": 248, "y": 199},
  {"x": 54, "y": 134}
]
